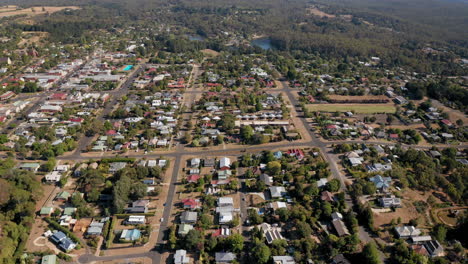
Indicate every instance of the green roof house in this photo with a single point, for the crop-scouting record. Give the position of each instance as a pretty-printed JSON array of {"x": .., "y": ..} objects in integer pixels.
[
  {"x": 46, "y": 211},
  {"x": 30, "y": 166},
  {"x": 63, "y": 196},
  {"x": 69, "y": 211},
  {"x": 184, "y": 229},
  {"x": 49, "y": 259}
]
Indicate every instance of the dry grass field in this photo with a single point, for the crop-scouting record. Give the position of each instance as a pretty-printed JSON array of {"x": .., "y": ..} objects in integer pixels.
[
  {"x": 316, "y": 12},
  {"x": 7, "y": 11},
  {"x": 357, "y": 108}
]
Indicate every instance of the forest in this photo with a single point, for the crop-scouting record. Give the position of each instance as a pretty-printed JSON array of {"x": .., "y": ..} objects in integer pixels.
[
  {"x": 20, "y": 189},
  {"x": 393, "y": 30}
]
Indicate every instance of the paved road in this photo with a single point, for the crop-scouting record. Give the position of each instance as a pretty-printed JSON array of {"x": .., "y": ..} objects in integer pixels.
[
  {"x": 116, "y": 95},
  {"x": 179, "y": 152}
]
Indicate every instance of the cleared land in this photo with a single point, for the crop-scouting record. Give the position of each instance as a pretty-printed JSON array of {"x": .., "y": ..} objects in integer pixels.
[
  {"x": 360, "y": 98},
  {"x": 316, "y": 12},
  {"x": 356, "y": 108},
  {"x": 33, "y": 11}
]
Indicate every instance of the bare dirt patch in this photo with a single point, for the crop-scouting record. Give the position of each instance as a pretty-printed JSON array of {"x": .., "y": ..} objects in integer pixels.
[
  {"x": 32, "y": 37},
  {"x": 34, "y": 11},
  {"x": 317, "y": 12},
  {"x": 210, "y": 53}
]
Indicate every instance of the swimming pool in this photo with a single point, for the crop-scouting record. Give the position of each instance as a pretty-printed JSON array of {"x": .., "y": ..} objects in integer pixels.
[{"x": 128, "y": 67}]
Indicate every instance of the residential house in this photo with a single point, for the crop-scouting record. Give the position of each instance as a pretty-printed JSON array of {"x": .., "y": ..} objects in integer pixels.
[
  {"x": 184, "y": 229},
  {"x": 434, "y": 248},
  {"x": 193, "y": 178},
  {"x": 390, "y": 202},
  {"x": 116, "y": 166},
  {"x": 322, "y": 182},
  {"x": 420, "y": 239},
  {"x": 224, "y": 231},
  {"x": 130, "y": 234},
  {"x": 277, "y": 191},
  {"x": 180, "y": 257},
  {"x": 224, "y": 257},
  {"x": 224, "y": 163},
  {"x": 70, "y": 211},
  {"x": 63, "y": 196},
  {"x": 95, "y": 228},
  {"x": 267, "y": 179},
  {"x": 140, "y": 206},
  {"x": 407, "y": 231},
  {"x": 30, "y": 166},
  {"x": 327, "y": 196},
  {"x": 283, "y": 260},
  {"x": 340, "y": 227},
  {"x": 271, "y": 232},
  {"x": 62, "y": 241},
  {"x": 46, "y": 211},
  {"x": 277, "y": 205},
  {"x": 381, "y": 183},
  {"x": 49, "y": 259},
  {"x": 188, "y": 217},
  {"x": 224, "y": 174},
  {"x": 225, "y": 201},
  {"x": 191, "y": 204},
  {"x": 53, "y": 176},
  {"x": 340, "y": 259},
  {"x": 195, "y": 163},
  {"x": 135, "y": 220}
]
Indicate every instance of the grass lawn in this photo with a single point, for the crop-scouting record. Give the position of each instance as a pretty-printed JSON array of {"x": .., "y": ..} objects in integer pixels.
[{"x": 356, "y": 108}]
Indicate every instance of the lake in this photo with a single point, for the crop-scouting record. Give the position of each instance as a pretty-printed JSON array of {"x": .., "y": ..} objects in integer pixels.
[{"x": 263, "y": 43}]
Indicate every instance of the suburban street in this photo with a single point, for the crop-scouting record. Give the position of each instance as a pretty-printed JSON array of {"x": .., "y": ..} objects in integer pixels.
[{"x": 180, "y": 151}]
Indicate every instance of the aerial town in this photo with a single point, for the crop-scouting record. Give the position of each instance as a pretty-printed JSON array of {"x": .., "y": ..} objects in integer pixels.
[{"x": 148, "y": 144}]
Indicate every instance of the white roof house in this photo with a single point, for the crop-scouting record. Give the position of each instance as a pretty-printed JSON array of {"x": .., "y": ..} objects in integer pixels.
[
  {"x": 225, "y": 217},
  {"x": 225, "y": 201},
  {"x": 225, "y": 163},
  {"x": 277, "y": 191},
  {"x": 322, "y": 182},
  {"x": 407, "y": 231},
  {"x": 136, "y": 220},
  {"x": 180, "y": 257},
  {"x": 195, "y": 162},
  {"x": 62, "y": 168},
  {"x": 151, "y": 163},
  {"x": 54, "y": 176}
]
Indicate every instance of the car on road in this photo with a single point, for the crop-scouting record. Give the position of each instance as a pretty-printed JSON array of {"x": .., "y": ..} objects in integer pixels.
[{"x": 161, "y": 220}]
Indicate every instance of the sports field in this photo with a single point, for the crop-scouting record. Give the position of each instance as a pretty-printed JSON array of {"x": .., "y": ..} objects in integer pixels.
[{"x": 356, "y": 108}]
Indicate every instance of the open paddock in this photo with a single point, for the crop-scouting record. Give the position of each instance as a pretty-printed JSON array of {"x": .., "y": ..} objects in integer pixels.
[
  {"x": 356, "y": 108},
  {"x": 33, "y": 11}
]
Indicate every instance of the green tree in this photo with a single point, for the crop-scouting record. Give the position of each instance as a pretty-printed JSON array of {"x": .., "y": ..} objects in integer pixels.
[
  {"x": 273, "y": 167},
  {"x": 236, "y": 242},
  {"x": 370, "y": 254},
  {"x": 261, "y": 252}
]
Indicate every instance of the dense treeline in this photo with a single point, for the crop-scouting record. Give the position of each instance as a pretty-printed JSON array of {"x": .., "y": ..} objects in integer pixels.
[
  {"x": 392, "y": 35},
  {"x": 19, "y": 191},
  {"x": 445, "y": 91}
]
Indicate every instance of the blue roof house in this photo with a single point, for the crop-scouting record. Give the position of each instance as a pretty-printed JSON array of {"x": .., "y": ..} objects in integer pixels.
[
  {"x": 381, "y": 183},
  {"x": 130, "y": 234}
]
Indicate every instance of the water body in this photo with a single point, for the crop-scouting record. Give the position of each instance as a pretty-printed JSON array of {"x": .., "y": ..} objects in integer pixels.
[
  {"x": 128, "y": 67},
  {"x": 263, "y": 43},
  {"x": 195, "y": 38}
]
